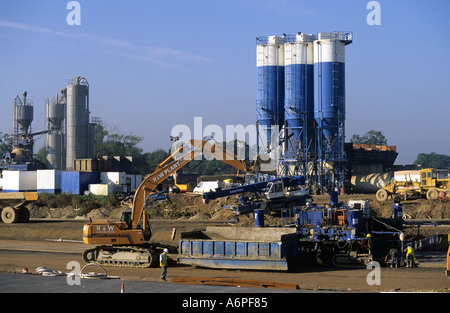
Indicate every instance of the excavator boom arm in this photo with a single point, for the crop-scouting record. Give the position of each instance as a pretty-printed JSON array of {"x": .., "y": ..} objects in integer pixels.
[
  {"x": 174, "y": 162},
  {"x": 152, "y": 181}
]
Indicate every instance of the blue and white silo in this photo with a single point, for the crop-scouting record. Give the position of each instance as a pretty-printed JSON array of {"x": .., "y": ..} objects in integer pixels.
[
  {"x": 270, "y": 93},
  {"x": 329, "y": 93},
  {"x": 299, "y": 93},
  {"x": 329, "y": 107}
]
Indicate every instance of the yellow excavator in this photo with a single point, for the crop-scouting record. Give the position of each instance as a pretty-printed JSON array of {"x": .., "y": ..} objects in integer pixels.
[{"x": 126, "y": 242}]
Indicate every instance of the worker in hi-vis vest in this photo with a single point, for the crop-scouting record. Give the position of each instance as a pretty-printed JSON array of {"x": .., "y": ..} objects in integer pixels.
[
  {"x": 163, "y": 263},
  {"x": 410, "y": 256}
]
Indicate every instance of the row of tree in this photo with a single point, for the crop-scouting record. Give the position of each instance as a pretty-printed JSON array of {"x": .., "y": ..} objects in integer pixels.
[{"x": 113, "y": 142}]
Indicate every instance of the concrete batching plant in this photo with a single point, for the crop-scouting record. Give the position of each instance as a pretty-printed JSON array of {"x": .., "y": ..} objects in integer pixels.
[
  {"x": 301, "y": 93},
  {"x": 69, "y": 134}
]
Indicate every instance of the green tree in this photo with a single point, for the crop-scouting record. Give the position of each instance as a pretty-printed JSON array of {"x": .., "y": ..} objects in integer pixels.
[
  {"x": 208, "y": 166},
  {"x": 433, "y": 160},
  {"x": 372, "y": 137},
  {"x": 5, "y": 143},
  {"x": 115, "y": 143},
  {"x": 42, "y": 155},
  {"x": 153, "y": 159}
]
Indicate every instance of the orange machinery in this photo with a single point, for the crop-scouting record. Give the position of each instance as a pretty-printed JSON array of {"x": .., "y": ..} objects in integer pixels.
[{"x": 125, "y": 243}]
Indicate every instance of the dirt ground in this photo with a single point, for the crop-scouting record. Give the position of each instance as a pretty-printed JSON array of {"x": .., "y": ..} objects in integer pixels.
[{"x": 187, "y": 213}]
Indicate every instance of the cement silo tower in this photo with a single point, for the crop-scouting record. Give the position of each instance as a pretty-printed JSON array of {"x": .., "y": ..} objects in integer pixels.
[
  {"x": 299, "y": 138},
  {"x": 22, "y": 118},
  {"x": 270, "y": 93},
  {"x": 329, "y": 103},
  {"x": 79, "y": 134},
  {"x": 55, "y": 116}
]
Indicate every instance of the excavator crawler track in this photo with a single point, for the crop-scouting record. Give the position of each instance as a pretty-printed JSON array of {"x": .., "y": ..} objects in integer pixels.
[{"x": 122, "y": 256}]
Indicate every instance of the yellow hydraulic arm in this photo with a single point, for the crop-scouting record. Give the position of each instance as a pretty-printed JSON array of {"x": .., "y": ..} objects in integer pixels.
[{"x": 173, "y": 163}]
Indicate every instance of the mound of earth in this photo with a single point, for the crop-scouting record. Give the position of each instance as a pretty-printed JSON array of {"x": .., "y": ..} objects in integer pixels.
[{"x": 191, "y": 206}]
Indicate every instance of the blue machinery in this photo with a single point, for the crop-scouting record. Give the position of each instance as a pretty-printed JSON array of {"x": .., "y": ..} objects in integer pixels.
[
  {"x": 332, "y": 234},
  {"x": 322, "y": 235},
  {"x": 301, "y": 95}
]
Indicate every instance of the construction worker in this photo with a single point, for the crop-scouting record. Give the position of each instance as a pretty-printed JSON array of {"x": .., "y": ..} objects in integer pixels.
[
  {"x": 393, "y": 257},
  {"x": 318, "y": 254},
  {"x": 163, "y": 264},
  {"x": 369, "y": 244},
  {"x": 410, "y": 256}
]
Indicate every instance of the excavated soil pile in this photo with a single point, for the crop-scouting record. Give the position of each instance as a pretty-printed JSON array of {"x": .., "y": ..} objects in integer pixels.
[
  {"x": 190, "y": 206},
  {"x": 176, "y": 206},
  {"x": 414, "y": 209}
]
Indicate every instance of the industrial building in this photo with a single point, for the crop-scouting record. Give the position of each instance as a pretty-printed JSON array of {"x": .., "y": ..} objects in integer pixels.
[
  {"x": 69, "y": 132},
  {"x": 71, "y": 166}
]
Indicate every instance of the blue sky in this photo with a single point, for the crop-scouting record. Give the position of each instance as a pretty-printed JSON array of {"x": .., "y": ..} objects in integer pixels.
[{"x": 154, "y": 64}]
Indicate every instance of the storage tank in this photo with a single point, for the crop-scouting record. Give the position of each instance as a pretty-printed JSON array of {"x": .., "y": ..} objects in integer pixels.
[
  {"x": 270, "y": 94},
  {"x": 55, "y": 137},
  {"x": 77, "y": 121},
  {"x": 22, "y": 119},
  {"x": 329, "y": 89},
  {"x": 299, "y": 87}
]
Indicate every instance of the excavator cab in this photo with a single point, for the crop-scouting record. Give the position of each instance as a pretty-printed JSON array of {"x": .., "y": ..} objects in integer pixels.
[{"x": 144, "y": 223}]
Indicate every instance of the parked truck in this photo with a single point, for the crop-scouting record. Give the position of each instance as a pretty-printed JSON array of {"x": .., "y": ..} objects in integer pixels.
[{"x": 433, "y": 184}]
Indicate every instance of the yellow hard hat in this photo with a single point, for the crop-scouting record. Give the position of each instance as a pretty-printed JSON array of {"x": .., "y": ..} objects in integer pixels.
[{"x": 369, "y": 235}]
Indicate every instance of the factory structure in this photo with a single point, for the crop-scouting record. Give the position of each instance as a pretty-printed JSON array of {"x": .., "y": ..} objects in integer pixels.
[
  {"x": 71, "y": 165},
  {"x": 301, "y": 101},
  {"x": 69, "y": 126},
  {"x": 69, "y": 133}
]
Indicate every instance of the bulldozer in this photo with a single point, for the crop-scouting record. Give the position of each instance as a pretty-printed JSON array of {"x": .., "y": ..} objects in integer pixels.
[
  {"x": 433, "y": 184},
  {"x": 126, "y": 243}
]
